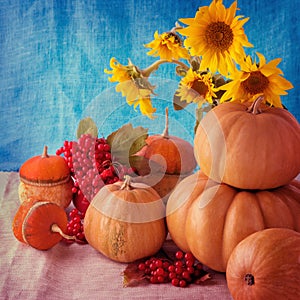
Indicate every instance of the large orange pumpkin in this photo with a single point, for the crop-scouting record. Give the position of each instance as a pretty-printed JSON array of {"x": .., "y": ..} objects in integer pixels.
[
  {"x": 126, "y": 221},
  {"x": 266, "y": 265},
  {"x": 210, "y": 219},
  {"x": 255, "y": 148},
  {"x": 47, "y": 178}
]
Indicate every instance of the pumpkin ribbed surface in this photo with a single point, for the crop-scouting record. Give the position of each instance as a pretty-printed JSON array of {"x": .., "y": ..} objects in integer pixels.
[
  {"x": 248, "y": 150},
  {"x": 126, "y": 223},
  {"x": 210, "y": 219}
]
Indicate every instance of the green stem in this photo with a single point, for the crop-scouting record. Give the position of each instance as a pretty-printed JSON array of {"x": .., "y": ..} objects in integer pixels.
[{"x": 146, "y": 72}]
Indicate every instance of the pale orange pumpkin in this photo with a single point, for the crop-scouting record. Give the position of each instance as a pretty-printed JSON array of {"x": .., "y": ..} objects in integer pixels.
[
  {"x": 248, "y": 147},
  {"x": 266, "y": 265},
  {"x": 47, "y": 178},
  {"x": 210, "y": 219},
  {"x": 126, "y": 221}
]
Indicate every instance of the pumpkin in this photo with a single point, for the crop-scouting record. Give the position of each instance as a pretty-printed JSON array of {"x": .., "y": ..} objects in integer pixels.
[
  {"x": 266, "y": 265},
  {"x": 125, "y": 221},
  {"x": 209, "y": 219},
  {"x": 47, "y": 178},
  {"x": 164, "y": 161},
  {"x": 248, "y": 147},
  {"x": 39, "y": 224},
  {"x": 176, "y": 155}
]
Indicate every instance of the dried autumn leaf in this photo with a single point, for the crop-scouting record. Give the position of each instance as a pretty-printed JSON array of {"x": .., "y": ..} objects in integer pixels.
[
  {"x": 132, "y": 276},
  {"x": 126, "y": 141},
  {"x": 203, "y": 277},
  {"x": 87, "y": 126}
]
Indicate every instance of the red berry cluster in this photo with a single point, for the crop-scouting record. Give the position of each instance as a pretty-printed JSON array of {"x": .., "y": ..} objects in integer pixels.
[
  {"x": 90, "y": 163},
  {"x": 183, "y": 271},
  {"x": 75, "y": 225}
]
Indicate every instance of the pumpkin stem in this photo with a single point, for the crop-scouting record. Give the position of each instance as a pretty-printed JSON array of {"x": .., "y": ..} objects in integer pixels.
[
  {"x": 255, "y": 106},
  {"x": 45, "y": 152},
  {"x": 249, "y": 278},
  {"x": 165, "y": 133},
  {"x": 127, "y": 183},
  {"x": 55, "y": 228}
]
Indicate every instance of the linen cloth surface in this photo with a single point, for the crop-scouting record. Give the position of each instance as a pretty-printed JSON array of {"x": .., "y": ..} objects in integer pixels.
[{"x": 75, "y": 271}]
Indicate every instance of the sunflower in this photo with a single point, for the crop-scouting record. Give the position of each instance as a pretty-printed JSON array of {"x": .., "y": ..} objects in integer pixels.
[
  {"x": 133, "y": 86},
  {"x": 256, "y": 79},
  {"x": 216, "y": 34},
  {"x": 196, "y": 87},
  {"x": 167, "y": 45}
]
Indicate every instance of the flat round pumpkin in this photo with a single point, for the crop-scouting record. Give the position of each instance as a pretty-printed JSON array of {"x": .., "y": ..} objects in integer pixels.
[{"x": 34, "y": 221}]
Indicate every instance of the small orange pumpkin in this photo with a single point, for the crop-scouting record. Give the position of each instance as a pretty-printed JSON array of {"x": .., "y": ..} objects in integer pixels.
[
  {"x": 39, "y": 224},
  {"x": 167, "y": 159},
  {"x": 248, "y": 147},
  {"x": 126, "y": 221},
  {"x": 210, "y": 219},
  {"x": 47, "y": 178},
  {"x": 266, "y": 265},
  {"x": 176, "y": 155}
]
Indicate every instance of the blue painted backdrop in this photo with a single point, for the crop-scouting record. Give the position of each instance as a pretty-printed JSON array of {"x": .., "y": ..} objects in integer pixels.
[{"x": 53, "y": 54}]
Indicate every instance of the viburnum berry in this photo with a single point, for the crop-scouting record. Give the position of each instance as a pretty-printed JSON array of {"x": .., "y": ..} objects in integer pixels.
[{"x": 181, "y": 272}]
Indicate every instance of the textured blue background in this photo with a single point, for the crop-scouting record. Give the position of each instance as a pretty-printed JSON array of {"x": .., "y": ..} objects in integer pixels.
[{"x": 53, "y": 54}]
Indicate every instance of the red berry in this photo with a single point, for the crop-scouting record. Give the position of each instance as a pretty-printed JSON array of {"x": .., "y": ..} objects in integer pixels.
[
  {"x": 178, "y": 263},
  {"x": 158, "y": 263},
  {"x": 142, "y": 267},
  {"x": 179, "y": 254},
  {"x": 189, "y": 256},
  {"x": 171, "y": 268},
  {"x": 182, "y": 283},
  {"x": 175, "y": 281},
  {"x": 160, "y": 271}
]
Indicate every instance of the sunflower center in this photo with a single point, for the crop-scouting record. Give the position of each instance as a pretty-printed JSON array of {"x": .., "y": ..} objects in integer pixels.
[
  {"x": 200, "y": 87},
  {"x": 256, "y": 83},
  {"x": 219, "y": 35}
]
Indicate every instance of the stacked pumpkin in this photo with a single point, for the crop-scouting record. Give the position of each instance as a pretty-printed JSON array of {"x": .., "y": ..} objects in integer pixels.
[{"x": 248, "y": 156}]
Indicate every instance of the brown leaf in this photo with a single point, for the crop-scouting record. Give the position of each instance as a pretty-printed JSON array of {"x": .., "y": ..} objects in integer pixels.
[
  {"x": 203, "y": 277},
  {"x": 132, "y": 276}
]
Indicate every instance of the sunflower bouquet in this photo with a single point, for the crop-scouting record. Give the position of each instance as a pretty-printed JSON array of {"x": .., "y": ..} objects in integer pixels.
[{"x": 208, "y": 51}]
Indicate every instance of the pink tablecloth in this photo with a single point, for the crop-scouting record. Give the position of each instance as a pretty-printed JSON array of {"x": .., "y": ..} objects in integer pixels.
[{"x": 74, "y": 271}]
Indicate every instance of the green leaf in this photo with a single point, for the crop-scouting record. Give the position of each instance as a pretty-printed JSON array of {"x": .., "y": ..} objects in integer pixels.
[
  {"x": 127, "y": 141},
  {"x": 87, "y": 126}
]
